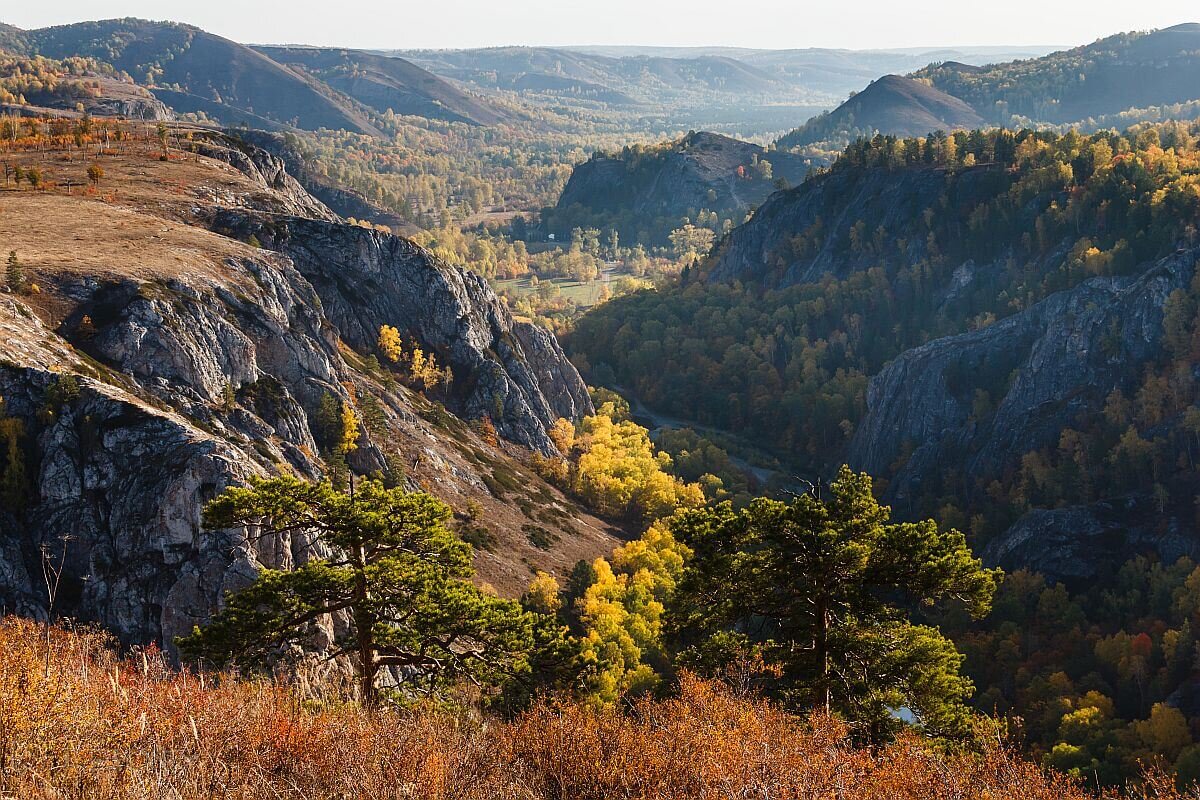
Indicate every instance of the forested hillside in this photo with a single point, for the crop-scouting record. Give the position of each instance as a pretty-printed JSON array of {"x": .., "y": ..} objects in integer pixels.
[
  {"x": 1002, "y": 328},
  {"x": 645, "y": 192},
  {"x": 797, "y": 310},
  {"x": 1139, "y": 70}
]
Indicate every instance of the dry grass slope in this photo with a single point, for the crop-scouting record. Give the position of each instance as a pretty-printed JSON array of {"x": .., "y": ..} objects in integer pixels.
[{"x": 83, "y": 723}]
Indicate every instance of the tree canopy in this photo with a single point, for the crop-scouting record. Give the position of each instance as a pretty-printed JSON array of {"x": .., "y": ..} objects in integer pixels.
[
  {"x": 823, "y": 591},
  {"x": 382, "y": 561}
]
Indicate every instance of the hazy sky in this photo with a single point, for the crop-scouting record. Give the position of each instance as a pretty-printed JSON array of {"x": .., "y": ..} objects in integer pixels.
[{"x": 767, "y": 23}]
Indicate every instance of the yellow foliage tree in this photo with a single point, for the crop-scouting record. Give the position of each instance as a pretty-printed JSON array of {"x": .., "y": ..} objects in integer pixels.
[
  {"x": 622, "y": 613},
  {"x": 619, "y": 473},
  {"x": 562, "y": 433},
  {"x": 542, "y": 596},
  {"x": 350, "y": 425},
  {"x": 389, "y": 343}
]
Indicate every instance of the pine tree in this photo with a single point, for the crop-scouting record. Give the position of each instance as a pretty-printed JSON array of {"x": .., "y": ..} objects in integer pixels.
[
  {"x": 821, "y": 590},
  {"x": 399, "y": 578},
  {"x": 14, "y": 275}
]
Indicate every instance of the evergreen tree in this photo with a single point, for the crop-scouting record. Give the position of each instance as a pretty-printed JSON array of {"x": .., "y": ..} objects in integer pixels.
[
  {"x": 385, "y": 561},
  {"x": 14, "y": 275},
  {"x": 822, "y": 590}
]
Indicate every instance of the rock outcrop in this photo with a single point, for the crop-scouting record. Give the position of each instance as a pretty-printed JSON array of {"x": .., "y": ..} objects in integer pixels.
[
  {"x": 700, "y": 171},
  {"x": 1043, "y": 368},
  {"x": 1083, "y": 543},
  {"x": 268, "y": 169},
  {"x": 152, "y": 387},
  {"x": 366, "y": 279}
]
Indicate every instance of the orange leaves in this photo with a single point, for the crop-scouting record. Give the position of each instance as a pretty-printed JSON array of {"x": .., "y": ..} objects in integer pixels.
[{"x": 136, "y": 729}]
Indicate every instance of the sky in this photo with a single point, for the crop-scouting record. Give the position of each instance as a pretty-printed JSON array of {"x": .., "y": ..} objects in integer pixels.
[{"x": 859, "y": 24}]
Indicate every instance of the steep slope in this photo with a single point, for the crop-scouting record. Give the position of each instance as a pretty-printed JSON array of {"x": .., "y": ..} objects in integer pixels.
[
  {"x": 384, "y": 84},
  {"x": 161, "y": 360},
  {"x": 650, "y": 190},
  {"x": 1045, "y": 370},
  {"x": 1126, "y": 71},
  {"x": 1003, "y": 330},
  {"x": 200, "y": 71},
  {"x": 892, "y": 105},
  {"x": 824, "y": 210}
]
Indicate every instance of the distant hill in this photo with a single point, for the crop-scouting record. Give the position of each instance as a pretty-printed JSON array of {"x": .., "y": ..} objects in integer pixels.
[
  {"x": 383, "y": 83},
  {"x": 13, "y": 40},
  {"x": 624, "y": 80},
  {"x": 644, "y": 192},
  {"x": 219, "y": 72},
  {"x": 638, "y": 75},
  {"x": 1110, "y": 76},
  {"x": 892, "y": 105}
]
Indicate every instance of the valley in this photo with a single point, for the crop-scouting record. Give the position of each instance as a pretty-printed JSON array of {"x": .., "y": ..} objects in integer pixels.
[{"x": 534, "y": 400}]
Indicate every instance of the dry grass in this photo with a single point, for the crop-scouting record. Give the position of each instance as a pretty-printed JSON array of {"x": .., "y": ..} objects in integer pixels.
[
  {"x": 133, "y": 225},
  {"x": 100, "y": 727},
  {"x": 139, "y": 224}
]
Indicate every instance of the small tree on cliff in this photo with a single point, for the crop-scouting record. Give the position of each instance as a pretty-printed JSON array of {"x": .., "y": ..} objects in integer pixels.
[
  {"x": 14, "y": 275},
  {"x": 822, "y": 591},
  {"x": 384, "y": 559}
]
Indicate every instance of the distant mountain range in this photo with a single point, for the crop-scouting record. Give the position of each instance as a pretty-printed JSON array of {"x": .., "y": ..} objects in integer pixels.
[
  {"x": 192, "y": 70},
  {"x": 1115, "y": 81},
  {"x": 630, "y": 80},
  {"x": 633, "y": 75},
  {"x": 383, "y": 83}
]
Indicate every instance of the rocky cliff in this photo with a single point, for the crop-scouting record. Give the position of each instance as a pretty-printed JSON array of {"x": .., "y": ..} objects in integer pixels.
[
  {"x": 160, "y": 362},
  {"x": 1043, "y": 370},
  {"x": 366, "y": 279}
]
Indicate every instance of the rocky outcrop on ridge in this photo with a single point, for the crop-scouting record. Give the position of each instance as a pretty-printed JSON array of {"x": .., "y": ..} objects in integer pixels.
[{"x": 150, "y": 387}]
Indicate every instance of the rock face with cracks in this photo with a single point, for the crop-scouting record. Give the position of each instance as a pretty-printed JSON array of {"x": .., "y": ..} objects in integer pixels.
[
  {"x": 148, "y": 391},
  {"x": 1046, "y": 367}
]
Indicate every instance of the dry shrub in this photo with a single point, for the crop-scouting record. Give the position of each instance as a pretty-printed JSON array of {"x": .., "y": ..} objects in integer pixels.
[{"x": 101, "y": 727}]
